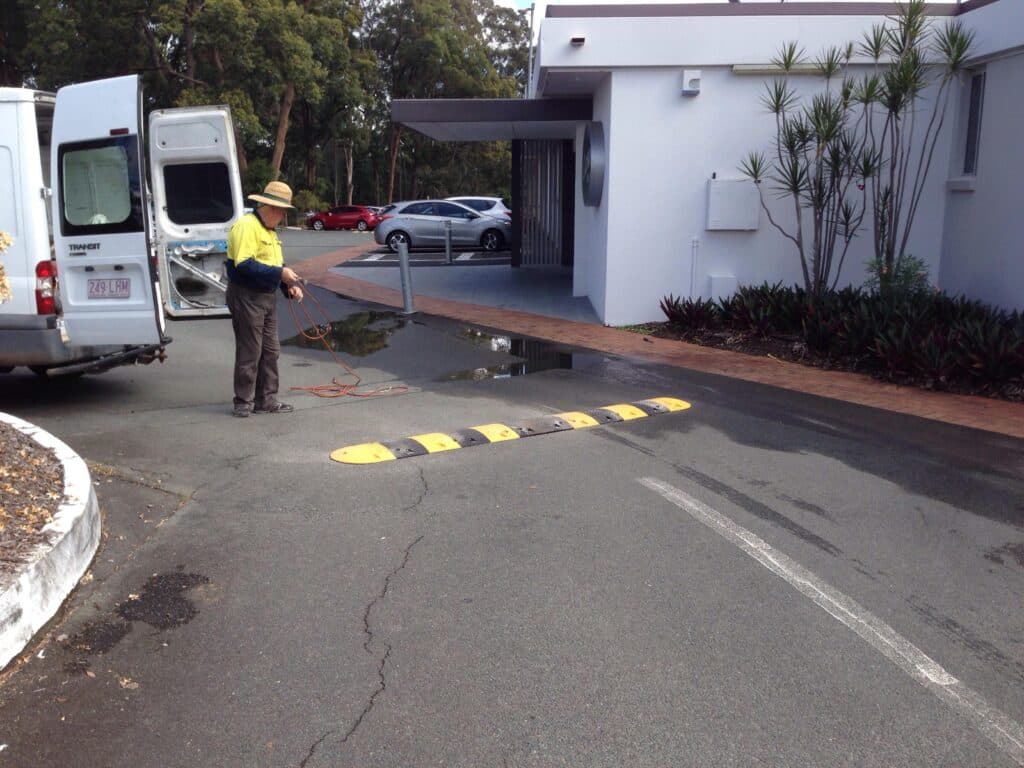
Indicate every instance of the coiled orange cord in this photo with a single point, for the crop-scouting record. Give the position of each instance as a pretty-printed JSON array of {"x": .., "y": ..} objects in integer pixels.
[{"x": 335, "y": 388}]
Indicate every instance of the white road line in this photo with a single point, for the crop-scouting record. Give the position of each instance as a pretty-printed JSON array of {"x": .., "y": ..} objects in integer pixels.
[
  {"x": 376, "y": 257},
  {"x": 1005, "y": 733},
  {"x": 464, "y": 257}
]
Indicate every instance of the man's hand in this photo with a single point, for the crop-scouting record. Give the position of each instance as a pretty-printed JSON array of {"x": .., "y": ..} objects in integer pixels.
[
  {"x": 295, "y": 292},
  {"x": 288, "y": 275}
]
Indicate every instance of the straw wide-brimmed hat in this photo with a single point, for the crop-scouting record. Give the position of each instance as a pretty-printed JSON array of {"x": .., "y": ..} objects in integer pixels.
[{"x": 276, "y": 193}]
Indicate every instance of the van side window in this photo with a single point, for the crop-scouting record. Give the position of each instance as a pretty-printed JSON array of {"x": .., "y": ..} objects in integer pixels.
[
  {"x": 198, "y": 193},
  {"x": 100, "y": 188}
]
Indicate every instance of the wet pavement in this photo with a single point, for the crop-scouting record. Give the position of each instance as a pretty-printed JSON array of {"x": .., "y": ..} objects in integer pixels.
[{"x": 530, "y": 603}]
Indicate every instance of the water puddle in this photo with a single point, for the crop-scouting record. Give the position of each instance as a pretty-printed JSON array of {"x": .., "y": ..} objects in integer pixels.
[
  {"x": 536, "y": 356},
  {"x": 359, "y": 334}
]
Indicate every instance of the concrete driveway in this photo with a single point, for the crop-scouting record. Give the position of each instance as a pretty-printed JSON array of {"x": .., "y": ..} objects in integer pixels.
[{"x": 767, "y": 578}]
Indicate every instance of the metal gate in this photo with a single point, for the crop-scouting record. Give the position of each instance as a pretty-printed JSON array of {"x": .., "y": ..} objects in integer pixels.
[{"x": 543, "y": 203}]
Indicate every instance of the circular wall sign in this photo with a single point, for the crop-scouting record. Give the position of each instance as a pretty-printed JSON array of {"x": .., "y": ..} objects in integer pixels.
[{"x": 595, "y": 157}]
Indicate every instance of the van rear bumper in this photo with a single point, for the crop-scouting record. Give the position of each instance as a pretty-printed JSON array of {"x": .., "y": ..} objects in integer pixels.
[
  {"x": 23, "y": 344},
  {"x": 35, "y": 340}
]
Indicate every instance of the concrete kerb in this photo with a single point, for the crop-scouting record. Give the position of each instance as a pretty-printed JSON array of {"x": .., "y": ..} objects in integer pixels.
[{"x": 32, "y": 595}]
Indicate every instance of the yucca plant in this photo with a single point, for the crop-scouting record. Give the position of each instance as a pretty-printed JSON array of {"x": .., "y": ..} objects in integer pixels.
[
  {"x": 817, "y": 162},
  {"x": 912, "y": 54}
]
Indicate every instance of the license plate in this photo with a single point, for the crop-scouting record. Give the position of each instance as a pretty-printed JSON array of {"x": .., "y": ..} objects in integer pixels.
[{"x": 110, "y": 288}]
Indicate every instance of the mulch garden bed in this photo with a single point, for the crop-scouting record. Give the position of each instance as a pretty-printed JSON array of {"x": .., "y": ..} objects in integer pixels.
[
  {"x": 31, "y": 490},
  {"x": 792, "y": 349}
]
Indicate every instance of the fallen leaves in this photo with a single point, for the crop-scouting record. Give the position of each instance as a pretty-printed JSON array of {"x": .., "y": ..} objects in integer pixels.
[{"x": 31, "y": 490}]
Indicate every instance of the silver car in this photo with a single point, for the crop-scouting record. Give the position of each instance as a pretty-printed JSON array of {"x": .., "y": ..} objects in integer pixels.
[{"x": 422, "y": 224}]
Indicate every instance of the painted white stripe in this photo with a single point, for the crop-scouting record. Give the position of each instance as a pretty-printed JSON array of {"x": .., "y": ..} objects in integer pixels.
[
  {"x": 464, "y": 257},
  {"x": 376, "y": 257},
  {"x": 1005, "y": 733}
]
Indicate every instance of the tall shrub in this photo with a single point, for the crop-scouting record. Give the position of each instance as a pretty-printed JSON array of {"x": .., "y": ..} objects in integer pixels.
[
  {"x": 864, "y": 146},
  {"x": 911, "y": 54},
  {"x": 818, "y": 162}
]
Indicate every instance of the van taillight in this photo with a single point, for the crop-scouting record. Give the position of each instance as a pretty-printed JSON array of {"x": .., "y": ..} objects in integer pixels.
[{"x": 46, "y": 288}]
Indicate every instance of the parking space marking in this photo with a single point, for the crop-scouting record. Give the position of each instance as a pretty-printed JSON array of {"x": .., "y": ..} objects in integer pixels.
[
  {"x": 1006, "y": 733},
  {"x": 484, "y": 434}
]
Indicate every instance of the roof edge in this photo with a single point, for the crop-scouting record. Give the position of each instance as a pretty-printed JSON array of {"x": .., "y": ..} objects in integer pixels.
[{"x": 820, "y": 8}]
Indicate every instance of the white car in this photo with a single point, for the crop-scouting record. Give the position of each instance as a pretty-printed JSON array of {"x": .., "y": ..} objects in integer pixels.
[{"x": 490, "y": 206}]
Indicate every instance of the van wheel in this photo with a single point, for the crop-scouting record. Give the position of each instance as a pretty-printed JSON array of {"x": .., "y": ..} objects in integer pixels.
[
  {"x": 396, "y": 238},
  {"x": 361, "y": 225},
  {"x": 492, "y": 240}
]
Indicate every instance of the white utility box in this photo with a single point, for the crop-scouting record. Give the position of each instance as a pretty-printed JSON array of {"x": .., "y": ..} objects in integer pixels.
[{"x": 733, "y": 204}]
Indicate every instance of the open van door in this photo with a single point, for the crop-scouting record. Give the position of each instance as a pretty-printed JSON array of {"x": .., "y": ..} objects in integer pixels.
[
  {"x": 108, "y": 283},
  {"x": 197, "y": 196}
]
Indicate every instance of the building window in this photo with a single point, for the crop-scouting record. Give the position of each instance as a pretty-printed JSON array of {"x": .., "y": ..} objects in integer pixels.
[{"x": 974, "y": 123}]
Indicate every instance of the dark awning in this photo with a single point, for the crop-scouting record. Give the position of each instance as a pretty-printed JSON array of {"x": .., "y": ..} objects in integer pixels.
[{"x": 492, "y": 119}]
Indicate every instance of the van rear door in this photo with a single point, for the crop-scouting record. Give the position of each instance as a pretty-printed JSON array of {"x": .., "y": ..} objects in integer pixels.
[
  {"x": 197, "y": 196},
  {"x": 107, "y": 276}
]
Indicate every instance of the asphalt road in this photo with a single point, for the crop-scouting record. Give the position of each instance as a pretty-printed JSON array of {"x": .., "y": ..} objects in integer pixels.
[{"x": 764, "y": 579}]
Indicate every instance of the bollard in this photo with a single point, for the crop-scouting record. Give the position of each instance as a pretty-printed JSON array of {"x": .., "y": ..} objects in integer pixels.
[
  {"x": 448, "y": 242},
  {"x": 403, "y": 266}
]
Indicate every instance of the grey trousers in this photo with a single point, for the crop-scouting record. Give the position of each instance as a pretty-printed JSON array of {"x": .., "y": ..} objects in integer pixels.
[{"x": 257, "y": 348}]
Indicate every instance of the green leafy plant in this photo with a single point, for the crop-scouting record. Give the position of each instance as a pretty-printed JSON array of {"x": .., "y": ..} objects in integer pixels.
[{"x": 690, "y": 314}]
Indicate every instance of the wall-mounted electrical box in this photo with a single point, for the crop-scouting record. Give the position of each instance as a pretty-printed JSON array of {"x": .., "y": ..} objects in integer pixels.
[
  {"x": 733, "y": 204},
  {"x": 691, "y": 82}
]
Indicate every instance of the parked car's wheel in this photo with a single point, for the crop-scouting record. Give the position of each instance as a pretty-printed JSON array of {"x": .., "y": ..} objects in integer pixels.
[
  {"x": 361, "y": 225},
  {"x": 396, "y": 238},
  {"x": 318, "y": 225},
  {"x": 492, "y": 240}
]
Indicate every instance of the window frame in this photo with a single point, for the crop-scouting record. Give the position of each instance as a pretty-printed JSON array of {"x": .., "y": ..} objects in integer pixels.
[
  {"x": 975, "y": 114},
  {"x": 135, "y": 222}
]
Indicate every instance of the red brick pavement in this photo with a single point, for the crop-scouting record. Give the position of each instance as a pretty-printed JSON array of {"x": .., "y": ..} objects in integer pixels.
[{"x": 976, "y": 412}]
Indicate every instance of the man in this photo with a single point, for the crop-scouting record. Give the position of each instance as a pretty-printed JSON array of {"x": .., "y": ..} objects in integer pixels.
[{"x": 255, "y": 268}]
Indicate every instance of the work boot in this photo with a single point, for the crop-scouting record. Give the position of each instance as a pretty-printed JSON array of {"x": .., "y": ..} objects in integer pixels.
[
  {"x": 241, "y": 411},
  {"x": 274, "y": 408}
]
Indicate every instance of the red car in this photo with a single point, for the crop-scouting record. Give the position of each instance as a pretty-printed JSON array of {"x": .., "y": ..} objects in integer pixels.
[{"x": 359, "y": 217}]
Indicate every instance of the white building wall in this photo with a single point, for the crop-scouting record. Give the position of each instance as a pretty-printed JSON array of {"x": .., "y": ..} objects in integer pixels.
[
  {"x": 590, "y": 249},
  {"x": 663, "y": 150},
  {"x": 648, "y": 238},
  {"x": 983, "y": 247}
]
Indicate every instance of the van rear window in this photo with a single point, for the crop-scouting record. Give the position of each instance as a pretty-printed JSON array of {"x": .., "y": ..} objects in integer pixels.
[
  {"x": 100, "y": 187},
  {"x": 198, "y": 193}
]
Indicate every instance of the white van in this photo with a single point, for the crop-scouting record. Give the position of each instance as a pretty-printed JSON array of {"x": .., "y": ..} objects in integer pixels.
[{"x": 96, "y": 261}]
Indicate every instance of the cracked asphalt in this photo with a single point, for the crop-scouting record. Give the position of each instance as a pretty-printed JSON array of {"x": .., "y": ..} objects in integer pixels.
[{"x": 527, "y": 603}]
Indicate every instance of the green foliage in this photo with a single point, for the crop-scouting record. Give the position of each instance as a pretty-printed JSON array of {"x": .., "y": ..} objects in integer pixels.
[
  {"x": 309, "y": 83},
  {"x": 863, "y": 147},
  {"x": 307, "y": 200},
  {"x": 924, "y": 337},
  {"x": 691, "y": 314},
  {"x": 907, "y": 276}
]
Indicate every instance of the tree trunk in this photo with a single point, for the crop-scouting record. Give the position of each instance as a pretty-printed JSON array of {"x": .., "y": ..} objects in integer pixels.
[
  {"x": 282, "y": 129},
  {"x": 243, "y": 162},
  {"x": 348, "y": 172},
  {"x": 396, "y": 135}
]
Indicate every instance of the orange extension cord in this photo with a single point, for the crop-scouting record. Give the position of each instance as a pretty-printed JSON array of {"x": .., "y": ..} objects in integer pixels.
[{"x": 335, "y": 388}]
